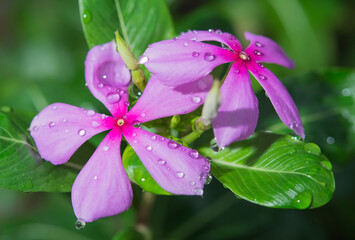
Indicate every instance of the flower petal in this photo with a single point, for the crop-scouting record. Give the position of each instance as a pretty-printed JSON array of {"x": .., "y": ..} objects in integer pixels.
[
  {"x": 108, "y": 78},
  {"x": 177, "y": 169},
  {"x": 102, "y": 187},
  {"x": 60, "y": 129},
  {"x": 211, "y": 35},
  {"x": 280, "y": 98},
  {"x": 263, "y": 49},
  {"x": 160, "y": 101},
  {"x": 238, "y": 114},
  {"x": 175, "y": 62}
]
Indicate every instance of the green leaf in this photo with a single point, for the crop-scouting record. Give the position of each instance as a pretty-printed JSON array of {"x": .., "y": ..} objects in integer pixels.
[
  {"x": 275, "y": 171},
  {"x": 140, "y": 22},
  {"x": 139, "y": 174},
  {"x": 21, "y": 168},
  {"x": 129, "y": 233}
]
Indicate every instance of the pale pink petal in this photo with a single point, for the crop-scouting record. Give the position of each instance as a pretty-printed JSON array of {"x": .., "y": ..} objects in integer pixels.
[
  {"x": 238, "y": 114},
  {"x": 211, "y": 35},
  {"x": 177, "y": 169},
  {"x": 102, "y": 187},
  {"x": 60, "y": 129},
  {"x": 108, "y": 78},
  {"x": 175, "y": 62},
  {"x": 280, "y": 98},
  {"x": 160, "y": 101},
  {"x": 263, "y": 49}
]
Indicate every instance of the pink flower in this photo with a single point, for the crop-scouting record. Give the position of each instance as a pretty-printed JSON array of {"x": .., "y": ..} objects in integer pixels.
[
  {"x": 186, "y": 58},
  {"x": 102, "y": 187}
]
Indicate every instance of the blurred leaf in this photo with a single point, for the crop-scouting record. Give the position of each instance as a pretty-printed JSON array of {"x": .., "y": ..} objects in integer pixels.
[
  {"x": 275, "y": 171},
  {"x": 324, "y": 98},
  {"x": 139, "y": 174},
  {"x": 21, "y": 168},
  {"x": 140, "y": 22},
  {"x": 128, "y": 233}
]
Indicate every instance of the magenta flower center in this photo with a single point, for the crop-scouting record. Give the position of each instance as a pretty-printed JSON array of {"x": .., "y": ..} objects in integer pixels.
[{"x": 244, "y": 56}]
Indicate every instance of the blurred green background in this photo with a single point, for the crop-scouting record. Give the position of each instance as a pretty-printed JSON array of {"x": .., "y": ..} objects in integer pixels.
[{"x": 42, "y": 52}]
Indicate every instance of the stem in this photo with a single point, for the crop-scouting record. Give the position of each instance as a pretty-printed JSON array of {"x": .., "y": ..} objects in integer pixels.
[
  {"x": 203, "y": 217},
  {"x": 189, "y": 138},
  {"x": 143, "y": 214}
]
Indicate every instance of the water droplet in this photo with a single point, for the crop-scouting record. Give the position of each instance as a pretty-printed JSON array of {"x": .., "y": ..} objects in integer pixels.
[
  {"x": 35, "y": 128},
  {"x": 196, "y": 99},
  {"x": 209, "y": 159},
  {"x": 95, "y": 177},
  {"x": 134, "y": 134},
  {"x": 256, "y": 52},
  {"x": 161, "y": 162},
  {"x": 65, "y": 120},
  {"x": 134, "y": 91},
  {"x": 193, "y": 39},
  {"x": 134, "y": 141},
  {"x": 105, "y": 148},
  {"x": 218, "y": 31},
  {"x": 86, "y": 16},
  {"x": 66, "y": 130},
  {"x": 312, "y": 148},
  {"x": 260, "y": 65},
  {"x": 143, "y": 179},
  {"x": 192, "y": 183},
  {"x": 172, "y": 144},
  {"x": 198, "y": 191},
  {"x": 51, "y": 124},
  {"x": 208, "y": 179},
  {"x": 136, "y": 124},
  {"x": 113, "y": 97},
  {"x": 231, "y": 37},
  {"x": 95, "y": 124},
  {"x": 80, "y": 224},
  {"x": 148, "y": 148},
  {"x": 330, "y": 140},
  {"x": 90, "y": 113},
  {"x": 153, "y": 137},
  {"x": 236, "y": 71},
  {"x": 205, "y": 168},
  {"x": 143, "y": 59},
  {"x": 180, "y": 175},
  {"x": 346, "y": 92},
  {"x": 195, "y": 54},
  {"x": 214, "y": 145},
  {"x": 193, "y": 154},
  {"x": 211, "y": 30},
  {"x": 209, "y": 57},
  {"x": 303, "y": 200},
  {"x": 327, "y": 165},
  {"x": 258, "y": 44},
  {"x": 100, "y": 85},
  {"x": 143, "y": 115},
  {"x": 81, "y": 132},
  {"x": 262, "y": 77},
  {"x": 54, "y": 107},
  {"x": 203, "y": 45},
  {"x": 186, "y": 44}
]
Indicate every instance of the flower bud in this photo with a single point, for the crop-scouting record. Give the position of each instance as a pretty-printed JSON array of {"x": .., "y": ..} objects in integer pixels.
[{"x": 211, "y": 105}]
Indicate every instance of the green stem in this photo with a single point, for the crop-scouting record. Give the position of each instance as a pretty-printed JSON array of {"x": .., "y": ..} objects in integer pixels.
[
  {"x": 143, "y": 214},
  {"x": 189, "y": 138}
]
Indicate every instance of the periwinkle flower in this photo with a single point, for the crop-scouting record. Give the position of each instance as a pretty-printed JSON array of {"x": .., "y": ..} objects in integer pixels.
[
  {"x": 187, "y": 58},
  {"x": 102, "y": 187}
]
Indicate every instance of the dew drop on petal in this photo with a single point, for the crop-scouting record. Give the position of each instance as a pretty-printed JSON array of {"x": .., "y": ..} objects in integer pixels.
[
  {"x": 51, "y": 124},
  {"x": 113, "y": 97},
  {"x": 95, "y": 177},
  {"x": 153, "y": 137},
  {"x": 105, "y": 148},
  {"x": 180, "y": 175},
  {"x": 186, "y": 44},
  {"x": 161, "y": 162},
  {"x": 148, "y": 148},
  {"x": 256, "y": 52},
  {"x": 95, "y": 124},
  {"x": 208, "y": 179},
  {"x": 214, "y": 145},
  {"x": 193, "y": 39},
  {"x": 172, "y": 144},
  {"x": 100, "y": 85},
  {"x": 81, "y": 132},
  {"x": 196, "y": 99},
  {"x": 35, "y": 128},
  {"x": 143, "y": 115},
  {"x": 260, "y": 65},
  {"x": 218, "y": 31},
  {"x": 90, "y": 113},
  {"x": 198, "y": 191},
  {"x": 195, "y": 54},
  {"x": 205, "y": 168},
  {"x": 143, "y": 59},
  {"x": 258, "y": 44},
  {"x": 80, "y": 224},
  {"x": 209, "y": 57},
  {"x": 236, "y": 71},
  {"x": 192, "y": 183},
  {"x": 65, "y": 120},
  {"x": 210, "y": 30},
  {"x": 262, "y": 77},
  {"x": 203, "y": 45},
  {"x": 136, "y": 124},
  {"x": 54, "y": 107},
  {"x": 193, "y": 154}
]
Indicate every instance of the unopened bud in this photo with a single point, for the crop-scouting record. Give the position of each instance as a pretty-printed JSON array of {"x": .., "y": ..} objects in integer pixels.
[
  {"x": 211, "y": 105},
  {"x": 175, "y": 121}
]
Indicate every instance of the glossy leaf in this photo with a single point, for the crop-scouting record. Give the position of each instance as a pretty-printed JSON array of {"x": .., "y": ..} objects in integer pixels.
[
  {"x": 139, "y": 174},
  {"x": 275, "y": 171},
  {"x": 21, "y": 168},
  {"x": 140, "y": 22}
]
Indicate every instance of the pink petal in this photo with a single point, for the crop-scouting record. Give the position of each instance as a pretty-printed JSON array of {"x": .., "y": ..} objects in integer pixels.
[
  {"x": 60, "y": 129},
  {"x": 102, "y": 187},
  {"x": 175, "y": 62},
  {"x": 263, "y": 49},
  {"x": 108, "y": 78},
  {"x": 160, "y": 101},
  {"x": 280, "y": 98},
  {"x": 211, "y": 35},
  {"x": 177, "y": 169},
  {"x": 238, "y": 114}
]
